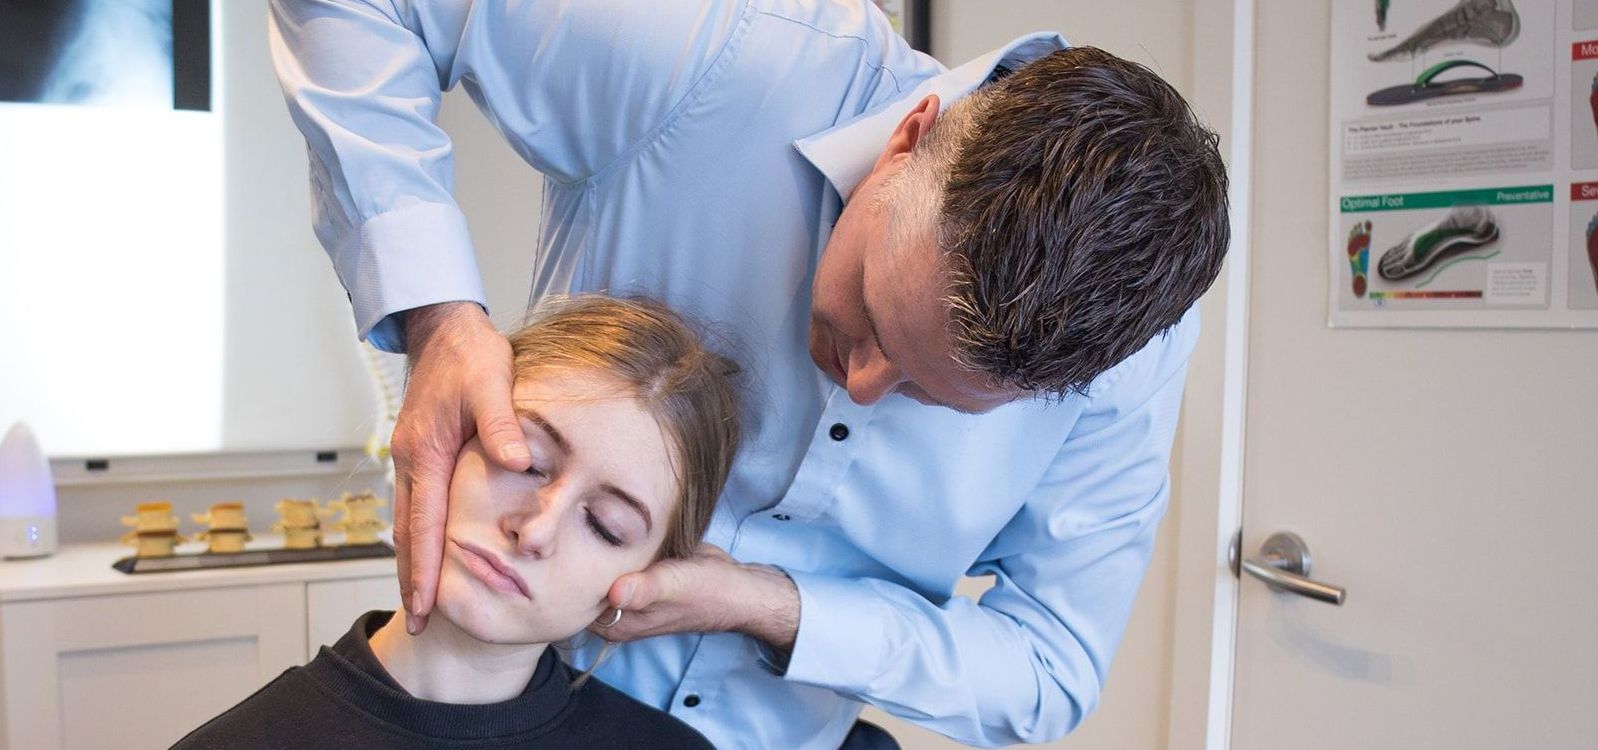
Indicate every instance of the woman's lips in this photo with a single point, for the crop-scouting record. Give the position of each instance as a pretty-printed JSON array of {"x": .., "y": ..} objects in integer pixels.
[{"x": 489, "y": 569}]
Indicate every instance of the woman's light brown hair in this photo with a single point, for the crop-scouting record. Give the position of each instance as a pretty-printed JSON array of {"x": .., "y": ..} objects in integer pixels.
[{"x": 656, "y": 354}]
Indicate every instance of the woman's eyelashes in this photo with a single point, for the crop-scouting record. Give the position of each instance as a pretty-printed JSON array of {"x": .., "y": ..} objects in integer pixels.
[
  {"x": 594, "y": 524},
  {"x": 599, "y": 529}
]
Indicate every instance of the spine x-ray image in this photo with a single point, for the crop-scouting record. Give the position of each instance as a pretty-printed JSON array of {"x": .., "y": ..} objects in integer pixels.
[{"x": 141, "y": 53}]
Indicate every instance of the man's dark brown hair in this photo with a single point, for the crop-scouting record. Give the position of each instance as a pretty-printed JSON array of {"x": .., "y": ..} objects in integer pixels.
[{"x": 1083, "y": 211}]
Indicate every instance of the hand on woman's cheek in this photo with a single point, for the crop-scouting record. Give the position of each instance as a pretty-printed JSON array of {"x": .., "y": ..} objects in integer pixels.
[{"x": 562, "y": 528}]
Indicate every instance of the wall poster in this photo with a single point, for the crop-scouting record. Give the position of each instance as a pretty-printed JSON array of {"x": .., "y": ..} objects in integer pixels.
[{"x": 1464, "y": 163}]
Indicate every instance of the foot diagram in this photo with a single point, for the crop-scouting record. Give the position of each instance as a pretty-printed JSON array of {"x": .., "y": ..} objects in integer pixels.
[
  {"x": 1494, "y": 23},
  {"x": 1359, "y": 253},
  {"x": 1464, "y": 228},
  {"x": 1592, "y": 100}
]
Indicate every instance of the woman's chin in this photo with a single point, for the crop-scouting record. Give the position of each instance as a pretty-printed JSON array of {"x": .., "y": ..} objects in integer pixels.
[{"x": 485, "y": 616}]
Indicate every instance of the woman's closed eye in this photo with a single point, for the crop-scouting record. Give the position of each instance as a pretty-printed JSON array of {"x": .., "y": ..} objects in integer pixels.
[{"x": 600, "y": 530}]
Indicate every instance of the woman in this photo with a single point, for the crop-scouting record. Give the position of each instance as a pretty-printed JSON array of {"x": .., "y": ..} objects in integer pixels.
[{"x": 632, "y": 425}]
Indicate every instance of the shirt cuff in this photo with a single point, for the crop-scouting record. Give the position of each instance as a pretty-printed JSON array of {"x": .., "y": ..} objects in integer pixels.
[
  {"x": 842, "y": 633},
  {"x": 407, "y": 258}
]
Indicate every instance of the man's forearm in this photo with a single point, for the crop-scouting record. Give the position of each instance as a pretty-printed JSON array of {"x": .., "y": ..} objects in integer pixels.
[{"x": 771, "y": 607}]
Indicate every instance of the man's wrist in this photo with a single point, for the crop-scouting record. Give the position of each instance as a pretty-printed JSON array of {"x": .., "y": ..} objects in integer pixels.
[
  {"x": 771, "y": 607},
  {"x": 421, "y": 324}
]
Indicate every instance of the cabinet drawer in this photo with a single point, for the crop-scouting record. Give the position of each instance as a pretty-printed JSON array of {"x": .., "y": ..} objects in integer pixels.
[{"x": 141, "y": 670}]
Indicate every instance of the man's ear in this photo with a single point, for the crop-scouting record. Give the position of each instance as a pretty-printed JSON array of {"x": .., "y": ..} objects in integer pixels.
[{"x": 910, "y": 130}]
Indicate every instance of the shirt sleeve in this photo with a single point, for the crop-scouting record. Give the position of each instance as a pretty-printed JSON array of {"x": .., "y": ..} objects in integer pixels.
[
  {"x": 574, "y": 88},
  {"x": 1028, "y": 661}
]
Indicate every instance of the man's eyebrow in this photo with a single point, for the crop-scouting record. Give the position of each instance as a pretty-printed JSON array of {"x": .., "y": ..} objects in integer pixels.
[
  {"x": 643, "y": 510},
  {"x": 543, "y": 424},
  {"x": 871, "y": 323}
]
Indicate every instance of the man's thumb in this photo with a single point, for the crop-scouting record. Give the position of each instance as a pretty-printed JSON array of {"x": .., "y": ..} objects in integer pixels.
[
  {"x": 633, "y": 591},
  {"x": 502, "y": 439}
]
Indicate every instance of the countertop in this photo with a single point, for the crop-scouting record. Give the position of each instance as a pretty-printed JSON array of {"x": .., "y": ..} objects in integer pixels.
[{"x": 77, "y": 570}]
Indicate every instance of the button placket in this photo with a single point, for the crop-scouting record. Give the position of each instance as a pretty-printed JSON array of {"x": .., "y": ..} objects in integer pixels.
[{"x": 826, "y": 461}]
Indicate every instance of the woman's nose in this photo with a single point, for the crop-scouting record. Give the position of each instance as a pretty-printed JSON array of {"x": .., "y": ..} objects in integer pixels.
[{"x": 532, "y": 532}]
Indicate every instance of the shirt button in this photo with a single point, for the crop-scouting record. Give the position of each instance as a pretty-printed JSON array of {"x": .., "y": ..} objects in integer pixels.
[
  {"x": 691, "y": 701},
  {"x": 781, "y": 516},
  {"x": 839, "y": 431}
]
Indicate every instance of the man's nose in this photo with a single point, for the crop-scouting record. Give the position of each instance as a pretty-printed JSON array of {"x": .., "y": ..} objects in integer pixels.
[
  {"x": 532, "y": 530},
  {"x": 871, "y": 376}
]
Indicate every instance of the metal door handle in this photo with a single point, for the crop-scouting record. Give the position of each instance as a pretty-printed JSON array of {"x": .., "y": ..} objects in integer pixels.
[{"x": 1283, "y": 564}]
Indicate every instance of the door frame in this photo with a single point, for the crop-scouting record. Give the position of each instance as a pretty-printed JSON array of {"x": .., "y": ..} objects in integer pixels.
[{"x": 1209, "y": 464}]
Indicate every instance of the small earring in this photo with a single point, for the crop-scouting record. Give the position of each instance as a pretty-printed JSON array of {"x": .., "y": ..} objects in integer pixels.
[{"x": 613, "y": 621}]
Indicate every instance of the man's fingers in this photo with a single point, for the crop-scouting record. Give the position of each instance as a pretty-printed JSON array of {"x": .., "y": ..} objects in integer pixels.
[
  {"x": 428, "y": 504},
  {"x": 498, "y": 428},
  {"x": 402, "y": 546}
]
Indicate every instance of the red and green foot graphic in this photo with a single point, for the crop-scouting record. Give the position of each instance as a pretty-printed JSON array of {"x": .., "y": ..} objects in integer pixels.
[{"x": 1359, "y": 253}]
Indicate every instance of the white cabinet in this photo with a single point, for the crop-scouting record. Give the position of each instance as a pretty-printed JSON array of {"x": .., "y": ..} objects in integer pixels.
[
  {"x": 331, "y": 606},
  {"x": 94, "y": 658}
]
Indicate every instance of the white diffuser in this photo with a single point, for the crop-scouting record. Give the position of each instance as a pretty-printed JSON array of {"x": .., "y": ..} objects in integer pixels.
[{"x": 27, "y": 496}]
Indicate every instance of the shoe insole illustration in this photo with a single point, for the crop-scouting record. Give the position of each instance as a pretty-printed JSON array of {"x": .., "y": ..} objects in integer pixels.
[
  {"x": 1463, "y": 228},
  {"x": 1428, "y": 87},
  {"x": 1494, "y": 23}
]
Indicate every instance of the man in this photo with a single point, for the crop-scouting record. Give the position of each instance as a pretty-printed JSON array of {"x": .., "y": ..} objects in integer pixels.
[{"x": 962, "y": 299}]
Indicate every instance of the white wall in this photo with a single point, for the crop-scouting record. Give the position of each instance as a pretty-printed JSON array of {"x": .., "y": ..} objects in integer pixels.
[
  {"x": 293, "y": 377},
  {"x": 293, "y": 355},
  {"x": 501, "y": 196}
]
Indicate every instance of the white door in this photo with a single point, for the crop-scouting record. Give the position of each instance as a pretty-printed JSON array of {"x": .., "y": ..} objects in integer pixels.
[{"x": 1447, "y": 478}]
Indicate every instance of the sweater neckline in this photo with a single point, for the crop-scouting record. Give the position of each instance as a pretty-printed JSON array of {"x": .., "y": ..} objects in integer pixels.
[{"x": 352, "y": 672}]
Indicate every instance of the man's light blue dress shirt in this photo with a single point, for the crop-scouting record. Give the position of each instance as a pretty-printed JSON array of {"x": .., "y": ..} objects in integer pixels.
[{"x": 699, "y": 153}]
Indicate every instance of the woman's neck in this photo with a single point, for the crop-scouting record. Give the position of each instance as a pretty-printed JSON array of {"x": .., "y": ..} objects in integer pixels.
[{"x": 444, "y": 664}]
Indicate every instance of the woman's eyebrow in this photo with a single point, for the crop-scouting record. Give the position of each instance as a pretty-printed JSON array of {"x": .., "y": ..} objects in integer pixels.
[
  {"x": 620, "y": 494},
  {"x": 543, "y": 424},
  {"x": 560, "y": 442}
]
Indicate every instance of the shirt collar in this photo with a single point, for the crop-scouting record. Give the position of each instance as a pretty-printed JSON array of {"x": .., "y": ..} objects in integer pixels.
[{"x": 845, "y": 152}]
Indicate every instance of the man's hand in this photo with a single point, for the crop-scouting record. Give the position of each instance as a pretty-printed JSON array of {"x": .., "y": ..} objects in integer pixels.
[
  {"x": 459, "y": 384},
  {"x": 707, "y": 593}
]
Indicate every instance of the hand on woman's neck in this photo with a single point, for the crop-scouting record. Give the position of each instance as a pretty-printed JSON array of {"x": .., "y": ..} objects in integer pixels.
[{"x": 444, "y": 664}]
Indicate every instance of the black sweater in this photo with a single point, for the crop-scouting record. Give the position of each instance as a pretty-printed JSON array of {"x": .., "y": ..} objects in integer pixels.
[{"x": 345, "y": 700}]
